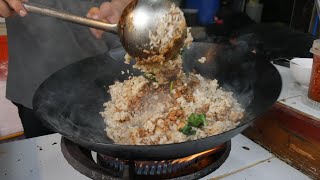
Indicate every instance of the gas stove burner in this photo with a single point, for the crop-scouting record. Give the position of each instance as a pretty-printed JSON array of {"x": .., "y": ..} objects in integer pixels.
[
  {"x": 165, "y": 167},
  {"x": 106, "y": 167}
]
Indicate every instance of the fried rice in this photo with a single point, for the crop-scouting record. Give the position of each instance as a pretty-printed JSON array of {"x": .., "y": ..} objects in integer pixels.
[{"x": 165, "y": 105}]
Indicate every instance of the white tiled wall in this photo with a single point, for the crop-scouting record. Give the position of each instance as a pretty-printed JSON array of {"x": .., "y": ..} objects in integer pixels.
[
  {"x": 1, "y": 20},
  {"x": 9, "y": 120}
]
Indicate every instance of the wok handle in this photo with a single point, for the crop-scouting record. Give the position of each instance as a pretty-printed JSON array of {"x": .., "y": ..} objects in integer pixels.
[
  {"x": 39, "y": 9},
  {"x": 285, "y": 62}
]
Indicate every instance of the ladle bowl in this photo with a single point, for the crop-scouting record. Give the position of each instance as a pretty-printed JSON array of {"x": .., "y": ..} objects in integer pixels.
[{"x": 137, "y": 20}]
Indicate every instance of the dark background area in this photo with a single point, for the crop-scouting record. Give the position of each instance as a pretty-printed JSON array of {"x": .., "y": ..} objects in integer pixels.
[
  {"x": 297, "y": 14},
  {"x": 277, "y": 11},
  {"x": 284, "y": 31}
]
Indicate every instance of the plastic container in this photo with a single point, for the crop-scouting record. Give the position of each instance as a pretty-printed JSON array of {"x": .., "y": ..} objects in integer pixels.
[
  {"x": 314, "y": 88},
  {"x": 254, "y": 11},
  {"x": 301, "y": 70},
  {"x": 3, "y": 49},
  {"x": 207, "y": 9}
]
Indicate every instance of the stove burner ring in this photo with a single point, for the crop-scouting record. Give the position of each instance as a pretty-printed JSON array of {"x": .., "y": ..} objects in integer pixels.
[
  {"x": 192, "y": 167},
  {"x": 150, "y": 168}
]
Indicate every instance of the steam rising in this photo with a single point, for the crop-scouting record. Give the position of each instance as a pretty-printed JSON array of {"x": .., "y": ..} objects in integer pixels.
[
  {"x": 232, "y": 65},
  {"x": 71, "y": 99}
]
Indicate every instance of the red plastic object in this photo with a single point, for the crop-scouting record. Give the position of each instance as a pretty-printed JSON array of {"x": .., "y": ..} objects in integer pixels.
[
  {"x": 3, "y": 49},
  {"x": 3, "y": 57},
  {"x": 314, "y": 89}
]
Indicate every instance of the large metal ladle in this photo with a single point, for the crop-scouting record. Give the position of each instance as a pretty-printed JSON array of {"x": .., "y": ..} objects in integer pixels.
[{"x": 138, "y": 18}]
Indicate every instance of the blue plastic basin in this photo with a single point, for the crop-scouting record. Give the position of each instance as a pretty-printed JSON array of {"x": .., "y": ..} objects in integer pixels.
[{"x": 207, "y": 9}]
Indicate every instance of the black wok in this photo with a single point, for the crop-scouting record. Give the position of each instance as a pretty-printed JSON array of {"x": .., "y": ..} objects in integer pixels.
[{"x": 70, "y": 100}]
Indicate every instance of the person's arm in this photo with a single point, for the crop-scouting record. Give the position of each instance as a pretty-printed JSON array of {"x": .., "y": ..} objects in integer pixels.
[
  {"x": 8, "y": 7},
  {"x": 109, "y": 12}
]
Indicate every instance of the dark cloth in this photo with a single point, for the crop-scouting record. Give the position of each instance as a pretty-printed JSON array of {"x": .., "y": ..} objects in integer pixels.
[
  {"x": 39, "y": 46},
  {"x": 32, "y": 125}
]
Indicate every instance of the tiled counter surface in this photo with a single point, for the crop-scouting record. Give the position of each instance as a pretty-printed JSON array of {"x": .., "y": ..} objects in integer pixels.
[
  {"x": 293, "y": 94},
  {"x": 41, "y": 159}
]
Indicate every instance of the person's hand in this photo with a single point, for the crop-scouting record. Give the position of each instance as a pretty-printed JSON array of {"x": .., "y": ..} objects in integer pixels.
[
  {"x": 9, "y": 7},
  {"x": 109, "y": 12}
]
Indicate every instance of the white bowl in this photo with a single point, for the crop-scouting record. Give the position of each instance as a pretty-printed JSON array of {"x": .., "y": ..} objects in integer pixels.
[{"x": 301, "y": 70}]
